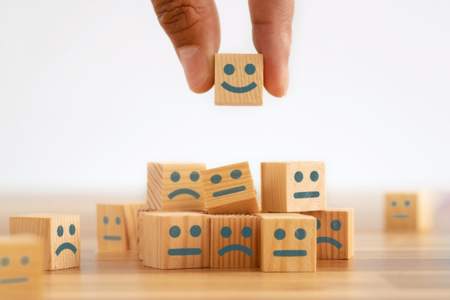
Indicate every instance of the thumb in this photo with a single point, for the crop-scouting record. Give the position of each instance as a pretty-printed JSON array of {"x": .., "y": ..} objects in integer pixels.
[{"x": 193, "y": 28}]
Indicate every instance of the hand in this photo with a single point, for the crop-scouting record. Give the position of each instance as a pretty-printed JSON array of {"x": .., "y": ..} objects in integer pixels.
[{"x": 193, "y": 27}]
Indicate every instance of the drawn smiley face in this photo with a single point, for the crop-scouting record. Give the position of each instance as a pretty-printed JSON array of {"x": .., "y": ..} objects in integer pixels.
[
  {"x": 194, "y": 232},
  {"x": 175, "y": 177},
  {"x": 61, "y": 233},
  {"x": 229, "y": 70},
  {"x": 401, "y": 211},
  {"x": 226, "y": 232},
  {"x": 335, "y": 225},
  {"x": 111, "y": 228}
]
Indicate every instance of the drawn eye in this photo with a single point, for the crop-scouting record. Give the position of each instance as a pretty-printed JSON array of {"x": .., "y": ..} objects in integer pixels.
[
  {"x": 236, "y": 174},
  {"x": 279, "y": 234},
  {"x": 225, "y": 232},
  {"x": 407, "y": 203},
  {"x": 174, "y": 231},
  {"x": 318, "y": 224},
  {"x": 118, "y": 220},
  {"x": 215, "y": 179},
  {"x": 24, "y": 260},
  {"x": 250, "y": 69},
  {"x": 105, "y": 220},
  {"x": 314, "y": 176},
  {"x": 4, "y": 262},
  {"x": 300, "y": 234},
  {"x": 298, "y": 176},
  {"x": 335, "y": 225},
  {"x": 246, "y": 232},
  {"x": 228, "y": 69},
  {"x": 72, "y": 229},
  {"x": 394, "y": 203},
  {"x": 60, "y": 231},
  {"x": 195, "y": 176},
  {"x": 196, "y": 231},
  {"x": 175, "y": 176}
]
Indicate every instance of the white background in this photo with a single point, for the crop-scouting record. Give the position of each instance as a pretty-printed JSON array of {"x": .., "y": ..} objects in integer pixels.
[{"x": 92, "y": 90}]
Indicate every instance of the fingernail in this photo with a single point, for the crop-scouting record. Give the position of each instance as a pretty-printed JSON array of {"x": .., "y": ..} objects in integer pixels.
[{"x": 194, "y": 66}]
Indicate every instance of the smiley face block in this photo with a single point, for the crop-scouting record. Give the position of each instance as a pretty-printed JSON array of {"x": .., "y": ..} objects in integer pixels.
[
  {"x": 229, "y": 190},
  {"x": 175, "y": 187},
  {"x": 238, "y": 79},
  {"x": 334, "y": 233},
  {"x": 234, "y": 241},
  {"x": 175, "y": 240},
  {"x": 293, "y": 186},
  {"x": 408, "y": 212},
  {"x": 288, "y": 243},
  {"x": 59, "y": 233},
  {"x": 21, "y": 267}
]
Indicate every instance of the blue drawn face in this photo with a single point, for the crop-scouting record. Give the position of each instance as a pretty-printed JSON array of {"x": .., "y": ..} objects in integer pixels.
[
  {"x": 175, "y": 232},
  {"x": 280, "y": 234},
  {"x": 112, "y": 224},
  {"x": 230, "y": 70},
  {"x": 234, "y": 175},
  {"x": 7, "y": 262},
  {"x": 401, "y": 208},
  {"x": 312, "y": 180},
  {"x": 335, "y": 226},
  {"x": 60, "y": 232},
  {"x": 176, "y": 178},
  {"x": 226, "y": 232}
]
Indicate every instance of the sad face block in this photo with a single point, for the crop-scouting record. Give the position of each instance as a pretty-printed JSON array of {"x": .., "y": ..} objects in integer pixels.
[
  {"x": 59, "y": 233},
  {"x": 175, "y": 240},
  {"x": 408, "y": 212},
  {"x": 238, "y": 79},
  {"x": 293, "y": 186},
  {"x": 234, "y": 241},
  {"x": 175, "y": 187},
  {"x": 334, "y": 233},
  {"x": 21, "y": 267},
  {"x": 229, "y": 190},
  {"x": 288, "y": 243}
]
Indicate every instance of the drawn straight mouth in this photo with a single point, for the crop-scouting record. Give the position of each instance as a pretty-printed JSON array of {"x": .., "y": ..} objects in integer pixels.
[
  {"x": 329, "y": 240},
  {"x": 184, "y": 191},
  {"x": 66, "y": 246},
  {"x": 238, "y": 90},
  {"x": 112, "y": 238},
  {"x": 232, "y": 190},
  {"x": 184, "y": 251},
  {"x": 15, "y": 280},
  {"x": 235, "y": 247},
  {"x": 290, "y": 253},
  {"x": 400, "y": 216},
  {"x": 301, "y": 195}
]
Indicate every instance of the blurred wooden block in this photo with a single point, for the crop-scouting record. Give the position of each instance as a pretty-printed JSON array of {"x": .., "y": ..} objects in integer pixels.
[
  {"x": 288, "y": 243},
  {"x": 335, "y": 232},
  {"x": 234, "y": 241},
  {"x": 239, "y": 79},
  {"x": 175, "y": 240},
  {"x": 21, "y": 267},
  {"x": 175, "y": 186},
  {"x": 408, "y": 212},
  {"x": 229, "y": 190},
  {"x": 60, "y": 235},
  {"x": 293, "y": 186},
  {"x": 131, "y": 211}
]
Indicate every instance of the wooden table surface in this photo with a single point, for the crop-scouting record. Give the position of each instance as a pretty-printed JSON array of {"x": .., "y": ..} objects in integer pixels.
[{"x": 384, "y": 267}]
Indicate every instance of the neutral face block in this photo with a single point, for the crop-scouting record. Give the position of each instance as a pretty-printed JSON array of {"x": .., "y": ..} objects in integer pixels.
[
  {"x": 335, "y": 232},
  {"x": 111, "y": 231},
  {"x": 234, "y": 241},
  {"x": 21, "y": 267},
  {"x": 229, "y": 189},
  {"x": 175, "y": 186},
  {"x": 288, "y": 243},
  {"x": 60, "y": 235},
  {"x": 238, "y": 79},
  {"x": 175, "y": 240},
  {"x": 293, "y": 186}
]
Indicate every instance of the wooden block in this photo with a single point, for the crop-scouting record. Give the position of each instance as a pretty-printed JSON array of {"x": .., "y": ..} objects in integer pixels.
[
  {"x": 131, "y": 211},
  {"x": 175, "y": 187},
  {"x": 60, "y": 235},
  {"x": 175, "y": 240},
  {"x": 288, "y": 243},
  {"x": 408, "y": 212},
  {"x": 229, "y": 190},
  {"x": 335, "y": 232},
  {"x": 234, "y": 241},
  {"x": 141, "y": 234},
  {"x": 293, "y": 186},
  {"x": 21, "y": 265},
  {"x": 239, "y": 79}
]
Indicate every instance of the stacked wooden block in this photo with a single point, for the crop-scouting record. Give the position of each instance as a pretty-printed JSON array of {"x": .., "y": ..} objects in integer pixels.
[{"x": 210, "y": 218}]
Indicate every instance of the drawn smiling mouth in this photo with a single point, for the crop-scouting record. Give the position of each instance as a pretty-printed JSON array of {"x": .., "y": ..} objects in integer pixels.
[
  {"x": 238, "y": 90},
  {"x": 289, "y": 253},
  {"x": 66, "y": 246},
  {"x": 301, "y": 195},
  {"x": 184, "y": 251},
  {"x": 232, "y": 190},
  {"x": 184, "y": 191},
  {"x": 235, "y": 247},
  {"x": 329, "y": 240},
  {"x": 15, "y": 280},
  {"x": 112, "y": 238}
]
